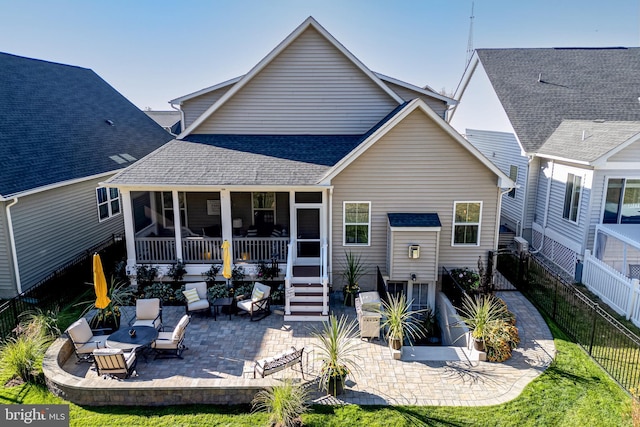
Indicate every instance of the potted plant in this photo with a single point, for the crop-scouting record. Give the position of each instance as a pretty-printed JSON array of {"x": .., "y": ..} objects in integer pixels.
[
  {"x": 482, "y": 314},
  {"x": 354, "y": 269},
  {"x": 400, "y": 322},
  {"x": 337, "y": 347},
  {"x": 108, "y": 318},
  {"x": 211, "y": 274}
]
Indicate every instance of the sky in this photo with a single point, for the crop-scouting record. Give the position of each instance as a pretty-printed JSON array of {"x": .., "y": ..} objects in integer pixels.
[{"x": 153, "y": 51}]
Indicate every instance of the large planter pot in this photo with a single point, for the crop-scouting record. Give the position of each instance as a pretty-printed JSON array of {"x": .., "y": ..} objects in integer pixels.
[
  {"x": 108, "y": 324},
  {"x": 335, "y": 386},
  {"x": 478, "y": 344},
  {"x": 349, "y": 299},
  {"x": 395, "y": 343}
]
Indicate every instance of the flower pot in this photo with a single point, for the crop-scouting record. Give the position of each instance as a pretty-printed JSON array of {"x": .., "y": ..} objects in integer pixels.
[
  {"x": 478, "y": 344},
  {"x": 335, "y": 385},
  {"x": 108, "y": 324},
  {"x": 349, "y": 299},
  {"x": 395, "y": 343}
]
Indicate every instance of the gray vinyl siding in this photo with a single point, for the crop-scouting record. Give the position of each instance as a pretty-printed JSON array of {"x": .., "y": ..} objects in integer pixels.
[
  {"x": 530, "y": 196},
  {"x": 437, "y": 105},
  {"x": 541, "y": 193},
  {"x": 197, "y": 215},
  {"x": 309, "y": 88},
  {"x": 568, "y": 229},
  {"x": 503, "y": 150},
  {"x": 425, "y": 267},
  {"x": 53, "y": 227},
  {"x": 416, "y": 167},
  {"x": 195, "y": 107},
  {"x": 629, "y": 154},
  {"x": 7, "y": 281}
]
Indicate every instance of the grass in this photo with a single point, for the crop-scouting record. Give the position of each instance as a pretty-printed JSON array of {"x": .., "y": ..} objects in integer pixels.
[{"x": 573, "y": 391}]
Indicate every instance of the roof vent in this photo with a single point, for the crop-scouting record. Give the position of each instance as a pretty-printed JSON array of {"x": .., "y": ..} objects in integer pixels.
[
  {"x": 128, "y": 157},
  {"x": 119, "y": 160},
  {"x": 109, "y": 122}
]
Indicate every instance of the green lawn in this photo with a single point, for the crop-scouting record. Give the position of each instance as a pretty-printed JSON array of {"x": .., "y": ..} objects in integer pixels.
[{"x": 574, "y": 391}]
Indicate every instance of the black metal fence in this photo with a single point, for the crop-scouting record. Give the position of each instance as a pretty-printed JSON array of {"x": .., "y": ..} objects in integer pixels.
[
  {"x": 62, "y": 287},
  {"x": 452, "y": 288},
  {"x": 605, "y": 339}
]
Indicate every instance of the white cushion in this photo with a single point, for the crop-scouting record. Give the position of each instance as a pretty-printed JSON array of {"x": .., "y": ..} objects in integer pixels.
[
  {"x": 257, "y": 294},
  {"x": 98, "y": 342},
  {"x": 79, "y": 331},
  {"x": 191, "y": 295},
  {"x": 147, "y": 308},
  {"x": 164, "y": 341},
  {"x": 200, "y": 287},
  {"x": 245, "y": 305},
  {"x": 178, "y": 331},
  {"x": 198, "y": 305},
  {"x": 150, "y": 323}
]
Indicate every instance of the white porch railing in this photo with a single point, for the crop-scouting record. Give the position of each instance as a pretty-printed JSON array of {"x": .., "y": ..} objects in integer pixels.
[
  {"x": 155, "y": 249},
  {"x": 202, "y": 249},
  {"x": 324, "y": 250},
  {"x": 260, "y": 248},
  {"x": 288, "y": 289},
  {"x": 616, "y": 290}
]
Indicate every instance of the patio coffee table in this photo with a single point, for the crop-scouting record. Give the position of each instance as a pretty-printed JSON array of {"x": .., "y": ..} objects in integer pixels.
[
  {"x": 222, "y": 302},
  {"x": 145, "y": 335}
]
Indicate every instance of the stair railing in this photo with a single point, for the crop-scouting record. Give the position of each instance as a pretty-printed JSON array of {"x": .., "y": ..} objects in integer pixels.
[{"x": 288, "y": 289}]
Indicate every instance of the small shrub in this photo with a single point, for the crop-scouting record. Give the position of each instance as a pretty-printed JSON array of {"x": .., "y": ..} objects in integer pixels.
[
  {"x": 244, "y": 289},
  {"x": 267, "y": 271},
  {"x": 467, "y": 279},
  {"x": 164, "y": 291},
  {"x": 21, "y": 356},
  {"x": 219, "y": 290},
  {"x": 277, "y": 295},
  {"x": 211, "y": 274},
  {"x": 146, "y": 275},
  {"x": 237, "y": 274},
  {"x": 177, "y": 271},
  {"x": 284, "y": 403}
]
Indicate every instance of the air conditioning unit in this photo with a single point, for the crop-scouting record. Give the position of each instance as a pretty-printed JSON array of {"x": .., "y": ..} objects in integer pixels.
[{"x": 522, "y": 246}]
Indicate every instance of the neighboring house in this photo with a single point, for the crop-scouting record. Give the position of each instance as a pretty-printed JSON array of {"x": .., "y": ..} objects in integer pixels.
[
  {"x": 63, "y": 131},
  {"x": 308, "y": 156},
  {"x": 564, "y": 123},
  {"x": 169, "y": 120}
]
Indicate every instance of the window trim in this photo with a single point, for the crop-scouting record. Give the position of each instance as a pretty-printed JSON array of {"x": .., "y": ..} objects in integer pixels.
[
  {"x": 108, "y": 203},
  {"x": 624, "y": 178},
  {"x": 454, "y": 224},
  {"x": 572, "y": 198},
  {"x": 344, "y": 224}
]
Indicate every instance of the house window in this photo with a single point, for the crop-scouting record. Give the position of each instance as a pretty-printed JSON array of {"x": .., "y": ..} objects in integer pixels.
[
  {"x": 357, "y": 223},
  {"x": 572, "y": 197},
  {"x": 622, "y": 203},
  {"x": 466, "y": 223},
  {"x": 420, "y": 296},
  {"x": 264, "y": 211},
  {"x": 167, "y": 209},
  {"x": 513, "y": 174},
  {"x": 108, "y": 202}
]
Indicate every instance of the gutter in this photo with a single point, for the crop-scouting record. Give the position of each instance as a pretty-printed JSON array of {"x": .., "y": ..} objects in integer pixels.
[
  {"x": 12, "y": 242},
  {"x": 181, "y": 116}
]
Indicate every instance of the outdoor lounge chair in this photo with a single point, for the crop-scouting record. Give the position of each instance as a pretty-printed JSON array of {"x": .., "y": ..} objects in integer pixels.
[
  {"x": 114, "y": 362},
  {"x": 148, "y": 313},
  {"x": 172, "y": 343},
  {"x": 84, "y": 340},
  {"x": 201, "y": 303},
  {"x": 258, "y": 303}
]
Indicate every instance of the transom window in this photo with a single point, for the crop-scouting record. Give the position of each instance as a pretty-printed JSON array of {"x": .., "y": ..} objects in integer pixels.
[
  {"x": 572, "y": 197},
  {"x": 108, "y": 202},
  {"x": 622, "y": 203},
  {"x": 357, "y": 223},
  {"x": 466, "y": 223}
]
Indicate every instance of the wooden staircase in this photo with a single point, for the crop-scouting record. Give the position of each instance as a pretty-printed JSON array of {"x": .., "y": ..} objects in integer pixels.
[{"x": 306, "y": 305}]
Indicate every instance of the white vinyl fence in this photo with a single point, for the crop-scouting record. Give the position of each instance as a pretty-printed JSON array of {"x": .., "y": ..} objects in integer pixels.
[{"x": 614, "y": 288}]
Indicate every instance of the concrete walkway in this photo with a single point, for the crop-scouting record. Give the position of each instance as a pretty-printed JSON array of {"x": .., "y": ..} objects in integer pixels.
[{"x": 226, "y": 349}]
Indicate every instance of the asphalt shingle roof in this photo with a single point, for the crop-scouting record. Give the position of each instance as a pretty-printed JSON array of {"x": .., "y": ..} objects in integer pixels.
[
  {"x": 414, "y": 220},
  {"x": 575, "y": 83},
  {"x": 586, "y": 140},
  {"x": 54, "y": 125}
]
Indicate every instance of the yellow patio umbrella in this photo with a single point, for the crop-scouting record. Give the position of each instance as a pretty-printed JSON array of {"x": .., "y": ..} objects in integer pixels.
[
  {"x": 226, "y": 259},
  {"x": 100, "y": 283}
]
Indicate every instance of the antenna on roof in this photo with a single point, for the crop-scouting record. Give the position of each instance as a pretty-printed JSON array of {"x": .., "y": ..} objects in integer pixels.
[{"x": 470, "y": 41}]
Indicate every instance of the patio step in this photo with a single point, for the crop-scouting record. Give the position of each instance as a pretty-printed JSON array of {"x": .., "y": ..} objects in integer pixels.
[
  {"x": 305, "y": 316},
  {"x": 306, "y": 306}
]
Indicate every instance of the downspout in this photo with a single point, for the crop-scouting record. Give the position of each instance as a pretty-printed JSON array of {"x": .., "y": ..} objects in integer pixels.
[
  {"x": 329, "y": 236},
  {"x": 181, "y": 116},
  {"x": 12, "y": 242},
  {"x": 546, "y": 209}
]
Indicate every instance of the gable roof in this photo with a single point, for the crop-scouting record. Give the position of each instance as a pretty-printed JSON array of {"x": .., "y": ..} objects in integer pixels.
[
  {"x": 169, "y": 120},
  {"x": 63, "y": 123},
  {"x": 539, "y": 88},
  {"x": 414, "y": 220},
  {"x": 588, "y": 141},
  {"x": 308, "y": 23},
  {"x": 396, "y": 117}
]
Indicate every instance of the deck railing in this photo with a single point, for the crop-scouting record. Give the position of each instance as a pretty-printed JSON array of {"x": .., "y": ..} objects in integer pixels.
[{"x": 206, "y": 249}]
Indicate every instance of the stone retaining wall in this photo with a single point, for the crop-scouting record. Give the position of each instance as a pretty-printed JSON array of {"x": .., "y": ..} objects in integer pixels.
[{"x": 131, "y": 392}]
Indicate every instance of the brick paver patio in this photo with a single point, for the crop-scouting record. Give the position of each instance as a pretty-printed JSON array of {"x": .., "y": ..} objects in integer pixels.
[{"x": 226, "y": 349}]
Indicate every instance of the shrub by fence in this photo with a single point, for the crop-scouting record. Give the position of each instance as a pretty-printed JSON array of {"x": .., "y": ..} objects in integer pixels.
[
  {"x": 61, "y": 287},
  {"x": 613, "y": 346}
]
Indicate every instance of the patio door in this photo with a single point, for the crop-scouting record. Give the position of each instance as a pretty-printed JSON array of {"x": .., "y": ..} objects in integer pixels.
[{"x": 308, "y": 221}]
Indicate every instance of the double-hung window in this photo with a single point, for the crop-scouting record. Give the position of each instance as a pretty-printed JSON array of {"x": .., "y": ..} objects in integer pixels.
[
  {"x": 108, "y": 202},
  {"x": 466, "y": 223},
  {"x": 622, "y": 202},
  {"x": 572, "y": 197},
  {"x": 357, "y": 223}
]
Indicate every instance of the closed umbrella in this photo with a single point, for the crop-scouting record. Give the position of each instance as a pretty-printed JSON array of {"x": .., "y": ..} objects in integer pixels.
[
  {"x": 100, "y": 283},
  {"x": 226, "y": 259}
]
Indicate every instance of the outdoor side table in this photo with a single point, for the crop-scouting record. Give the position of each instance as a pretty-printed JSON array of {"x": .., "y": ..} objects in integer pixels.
[
  {"x": 222, "y": 302},
  {"x": 145, "y": 335}
]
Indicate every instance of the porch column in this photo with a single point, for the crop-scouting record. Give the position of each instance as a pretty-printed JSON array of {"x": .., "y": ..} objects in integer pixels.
[
  {"x": 225, "y": 215},
  {"x": 129, "y": 230},
  {"x": 177, "y": 224}
]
